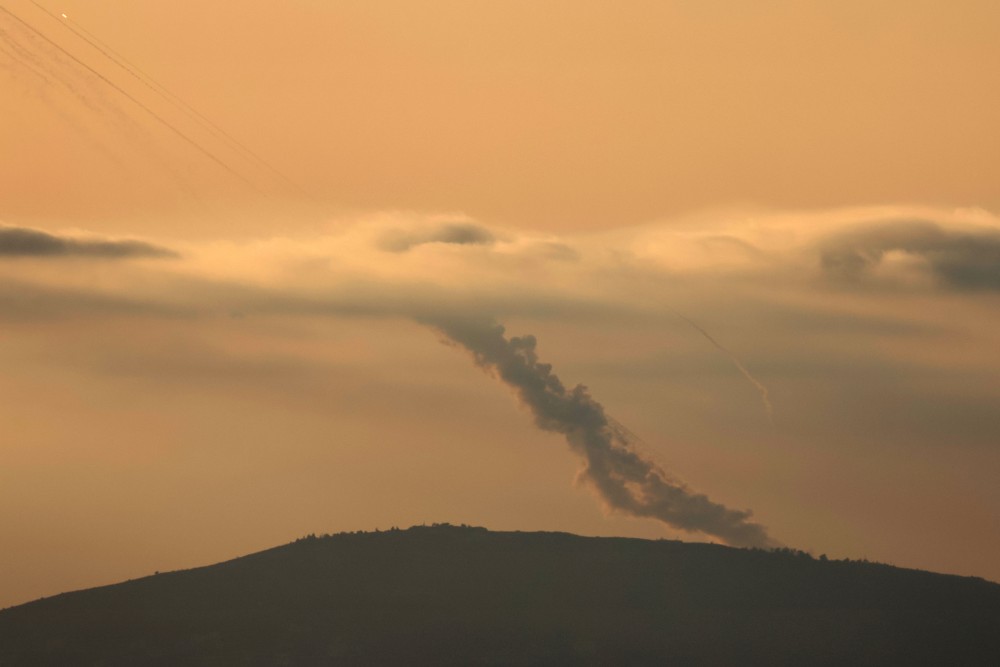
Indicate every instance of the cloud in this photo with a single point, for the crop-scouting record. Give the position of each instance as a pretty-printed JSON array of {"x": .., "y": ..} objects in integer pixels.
[
  {"x": 959, "y": 259},
  {"x": 455, "y": 233},
  {"x": 867, "y": 372},
  {"x": 26, "y": 242},
  {"x": 25, "y": 302}
]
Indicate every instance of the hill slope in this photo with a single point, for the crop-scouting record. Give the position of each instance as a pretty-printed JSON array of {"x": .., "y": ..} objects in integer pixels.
[{"x": 450, "y": 595}]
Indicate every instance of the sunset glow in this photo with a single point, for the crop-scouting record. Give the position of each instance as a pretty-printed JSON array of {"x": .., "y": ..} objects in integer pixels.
[{"x": 254, "y": 265}]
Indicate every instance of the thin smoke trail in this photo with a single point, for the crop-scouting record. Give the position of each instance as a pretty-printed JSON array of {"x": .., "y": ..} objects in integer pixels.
[
  {"x": 626, "y": 480},
  {"x": 233, "y": 172},
  {"x": 57, "y": 73},
  {"x": 152, "y": 84},
  {"x": 759, "y": 386},
  {"x": 18, "y": 66},
  {"x": 30, "y": 62},
  {"x": 61, "y": 72},
  {"x": 21, "y": 62},
  {"x": 16, "y": 60}
]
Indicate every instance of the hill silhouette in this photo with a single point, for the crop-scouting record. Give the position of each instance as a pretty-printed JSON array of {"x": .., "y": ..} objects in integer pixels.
[{"x": 467, "y": 596}]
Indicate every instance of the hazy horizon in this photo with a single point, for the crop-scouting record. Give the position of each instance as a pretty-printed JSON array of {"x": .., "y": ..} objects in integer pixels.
[{"x": 764, "y": 237}]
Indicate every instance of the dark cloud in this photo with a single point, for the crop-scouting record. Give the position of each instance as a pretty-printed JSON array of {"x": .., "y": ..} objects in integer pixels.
[
  {"x": 624, "y": 478},
  {"x": 964, "y": 260},
  {"x": 457, "y": 233},
  {"x": 25, "y": 242}
]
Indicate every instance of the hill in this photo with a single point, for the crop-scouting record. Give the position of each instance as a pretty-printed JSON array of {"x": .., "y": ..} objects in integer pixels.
[{"x": 467, "y": 596}]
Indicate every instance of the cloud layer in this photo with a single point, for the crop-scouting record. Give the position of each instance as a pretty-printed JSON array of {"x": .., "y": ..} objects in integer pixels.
[
  {"x": 960, "y": 259},
  {"x": 870, "y": 333},
  {"x": 454, "y": 233},
  {"x": 26, "y": 242}
]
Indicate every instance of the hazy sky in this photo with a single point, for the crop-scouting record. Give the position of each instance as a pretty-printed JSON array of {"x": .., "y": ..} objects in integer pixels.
[{"x": 215, "y": 339}]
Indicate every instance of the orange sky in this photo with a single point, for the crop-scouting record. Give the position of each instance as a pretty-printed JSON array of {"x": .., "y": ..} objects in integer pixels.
[
  {"x": 560, "y": 115},
  {"x": 814, "y": 183}
]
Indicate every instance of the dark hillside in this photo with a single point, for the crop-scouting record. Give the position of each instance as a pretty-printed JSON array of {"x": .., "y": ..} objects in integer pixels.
[{"x": 466, "y": 596}]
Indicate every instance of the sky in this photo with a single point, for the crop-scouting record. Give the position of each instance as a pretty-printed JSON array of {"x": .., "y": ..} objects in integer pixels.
[{"x": 714, "y": 271}]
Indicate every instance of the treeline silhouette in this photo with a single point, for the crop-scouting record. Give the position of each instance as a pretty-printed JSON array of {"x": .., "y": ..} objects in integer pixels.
[{"x": 460, "y": 595}]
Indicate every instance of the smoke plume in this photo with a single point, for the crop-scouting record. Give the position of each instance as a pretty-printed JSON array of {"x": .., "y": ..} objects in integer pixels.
[{"x": 624, "y": 479}]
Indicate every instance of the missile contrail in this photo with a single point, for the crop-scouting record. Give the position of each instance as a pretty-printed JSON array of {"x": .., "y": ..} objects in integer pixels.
[
  {"x": 22, "y": 56},
  {"x": 759, "y": 386},
  {"x": 160, "y": 119},
  {"x": 39, "y": 77},
  {"x": 152, "y": 84},
  {"x": 625, "y": 479},
  {"x": 21, "y": 61},
  {"x": 16, "y": 58}
]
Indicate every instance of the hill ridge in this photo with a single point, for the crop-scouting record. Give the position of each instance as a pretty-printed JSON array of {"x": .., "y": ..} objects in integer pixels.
[{"x": 444, "y": 594}]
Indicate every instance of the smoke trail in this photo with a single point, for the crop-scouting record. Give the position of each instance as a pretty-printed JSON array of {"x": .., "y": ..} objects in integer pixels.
[
  {"x": 626, "y": 480},
  {"x": 764, "y": 394},
  {"x": 18, "y": 66},
  {"x": 15, "y": 62},
  {"x": 160, "y": 119},
  {"x": 32, "y": 63},
  {"x": 58, "y": 74},
  {"x": 152, "y": 84},
  {"x": 24, "y": 61}
]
